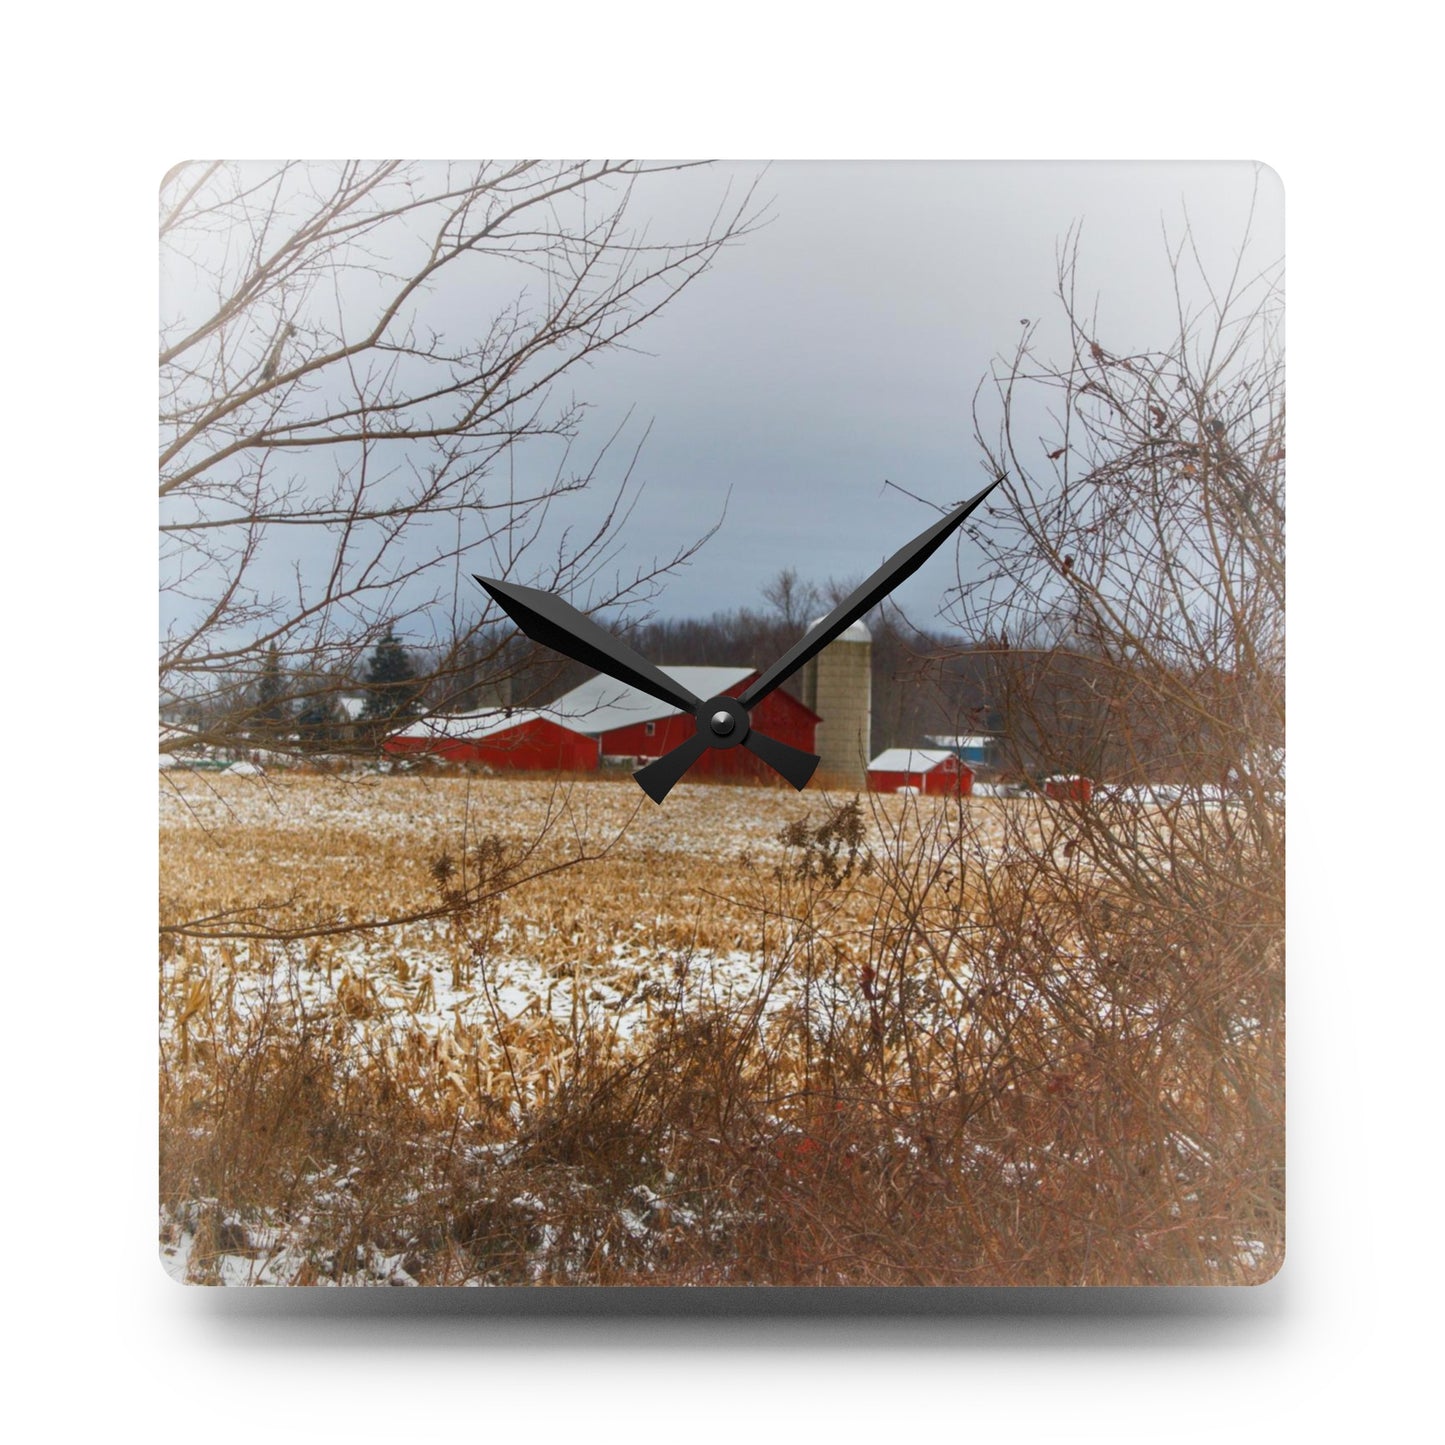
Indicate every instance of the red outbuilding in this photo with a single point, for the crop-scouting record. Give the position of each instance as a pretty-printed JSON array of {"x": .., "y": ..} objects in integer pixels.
[
  {"x": 1069, "y": 788},
  {"x": 504, "y": 741},
  {"x": 633, "y": 728},
  {"x": 919, "y": 770}
]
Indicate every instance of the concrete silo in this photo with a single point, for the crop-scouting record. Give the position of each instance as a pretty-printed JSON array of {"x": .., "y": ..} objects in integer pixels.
[{"x": 838, "y": 686}]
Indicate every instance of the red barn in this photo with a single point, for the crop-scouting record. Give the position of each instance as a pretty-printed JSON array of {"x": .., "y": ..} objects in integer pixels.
[
  {"x": 1069, "y": 789},
  {"x": 629, "y": 725},
  {"x": 504, "y": 741},
  {"x": 920, "y": 770}
]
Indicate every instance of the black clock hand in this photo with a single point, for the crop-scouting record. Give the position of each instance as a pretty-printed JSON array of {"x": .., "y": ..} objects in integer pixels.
[
  {"x": 900, "y": 566},
  {"x": 547, "y": 619},
  {"x": 659, "y": 777}
]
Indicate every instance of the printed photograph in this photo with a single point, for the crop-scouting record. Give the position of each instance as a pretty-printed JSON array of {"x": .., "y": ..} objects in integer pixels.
[{"x": 721, "y": 723}]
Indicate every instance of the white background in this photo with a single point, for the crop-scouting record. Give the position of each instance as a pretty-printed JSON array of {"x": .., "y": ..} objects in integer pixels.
[{"x": 100, "y": 1338}]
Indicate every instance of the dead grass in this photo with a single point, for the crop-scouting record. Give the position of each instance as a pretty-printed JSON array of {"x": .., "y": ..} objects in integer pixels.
[{"x": 751, "y": 1037}]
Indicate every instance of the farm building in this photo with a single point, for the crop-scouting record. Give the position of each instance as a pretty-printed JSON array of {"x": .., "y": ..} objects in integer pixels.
[
  {"x": 1069, "y": 788},
  {"x": 978, "y": 750},
  {"x": 630, "y": 726},
  {"x": 923, "y": 770},
  {"x": 838, "y": 685},
  {"x": 505, "y": 740}
]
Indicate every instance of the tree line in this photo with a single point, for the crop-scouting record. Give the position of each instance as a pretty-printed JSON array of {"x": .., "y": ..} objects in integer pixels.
[
  {"x": 923, "y": 683},
  {"x": 1051, "y": 703}
]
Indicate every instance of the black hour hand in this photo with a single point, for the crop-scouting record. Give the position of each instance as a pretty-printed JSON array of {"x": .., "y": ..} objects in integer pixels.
[
  {"x": 722, "y": 722},
  {"x": 547, "y": 619}
]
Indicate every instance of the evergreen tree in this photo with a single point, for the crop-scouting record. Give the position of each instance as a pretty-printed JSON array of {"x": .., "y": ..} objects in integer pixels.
[
  {"x": 272, "y": 709},
  {"x": 392, "y": 688},
  {"x": 317, "y": 723}
]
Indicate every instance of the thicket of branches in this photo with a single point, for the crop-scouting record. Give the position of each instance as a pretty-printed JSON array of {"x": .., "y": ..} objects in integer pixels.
[
  {"x": 1134, "y": 594},
  {"x": 361, "y": 368},
  {"x": 1134, "y": 587}
]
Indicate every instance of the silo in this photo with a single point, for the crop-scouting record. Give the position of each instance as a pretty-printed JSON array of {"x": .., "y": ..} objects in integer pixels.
[{"x": 838, "y": 686}]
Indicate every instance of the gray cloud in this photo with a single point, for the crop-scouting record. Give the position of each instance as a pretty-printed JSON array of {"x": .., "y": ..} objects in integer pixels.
[
  {"x": 840, "y": 344},
  {"x": 843, "y": 343}
]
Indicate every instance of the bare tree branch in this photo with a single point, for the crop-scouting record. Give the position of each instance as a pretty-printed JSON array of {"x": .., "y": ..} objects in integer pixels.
[{"x": 359, "y": 385}]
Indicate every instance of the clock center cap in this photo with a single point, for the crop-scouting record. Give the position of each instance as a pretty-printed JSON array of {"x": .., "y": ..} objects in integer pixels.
[{"x": 723, "y": 721}]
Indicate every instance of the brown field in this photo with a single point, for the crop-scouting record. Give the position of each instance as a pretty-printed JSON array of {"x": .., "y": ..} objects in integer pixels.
[{"x": 452, "y": 1030}]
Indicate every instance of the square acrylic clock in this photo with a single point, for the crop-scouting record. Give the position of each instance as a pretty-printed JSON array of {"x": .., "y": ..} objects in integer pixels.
[{"x": 721, "y": 724}]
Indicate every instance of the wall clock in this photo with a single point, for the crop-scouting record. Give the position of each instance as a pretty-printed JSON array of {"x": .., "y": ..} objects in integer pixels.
[{"x": 991, "y": 994}]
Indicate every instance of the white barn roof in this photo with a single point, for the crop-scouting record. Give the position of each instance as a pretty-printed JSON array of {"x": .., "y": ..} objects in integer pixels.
[
  {"x": 602, "y": 703},
  {"x": 472, "y": 726},
  {"x": 909, "y": 760}
]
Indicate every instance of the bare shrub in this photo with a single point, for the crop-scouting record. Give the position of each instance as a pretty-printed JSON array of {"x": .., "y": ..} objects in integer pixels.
[{"x": 910, "y": 1043}]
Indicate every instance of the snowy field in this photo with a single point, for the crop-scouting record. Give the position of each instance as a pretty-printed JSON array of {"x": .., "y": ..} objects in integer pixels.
[
  {"x": 474, "y": 938},
  {"x": 668, "y": 899},
  {"x": 652, "y": 882}
]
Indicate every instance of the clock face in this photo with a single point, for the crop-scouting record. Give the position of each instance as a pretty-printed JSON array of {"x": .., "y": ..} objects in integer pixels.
[{"x": 839, "y": 841}]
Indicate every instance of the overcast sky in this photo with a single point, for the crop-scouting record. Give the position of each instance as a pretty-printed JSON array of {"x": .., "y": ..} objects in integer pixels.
[
  {"x": 842, "y": 344},
  {"x": 839, "y": 344}
]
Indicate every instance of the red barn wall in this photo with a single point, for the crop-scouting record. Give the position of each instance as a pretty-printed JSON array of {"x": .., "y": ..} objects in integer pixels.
[
  {"x": 780, "y": 715},
  {"x": 537, "y": 745},
  {"x": 950, "y": 776}
]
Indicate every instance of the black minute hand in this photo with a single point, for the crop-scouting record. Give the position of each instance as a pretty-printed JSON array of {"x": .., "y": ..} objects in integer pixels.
[
  {"x": 659, "y": 776},
  {"x": 900, "y": 566}
]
